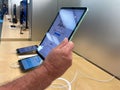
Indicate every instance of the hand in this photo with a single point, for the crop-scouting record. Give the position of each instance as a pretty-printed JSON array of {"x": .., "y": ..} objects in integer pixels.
[{"x": 59, "y": 59}]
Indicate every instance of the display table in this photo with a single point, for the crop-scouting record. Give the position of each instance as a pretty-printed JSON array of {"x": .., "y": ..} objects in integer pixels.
[{"x": 82, "y": 74}]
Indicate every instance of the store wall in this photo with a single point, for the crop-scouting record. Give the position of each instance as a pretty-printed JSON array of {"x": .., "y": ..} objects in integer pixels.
[
  {"x": 98, "y": 38},
  {"x": 68, "y": 3},
  {"x": 43, "y": 13}
]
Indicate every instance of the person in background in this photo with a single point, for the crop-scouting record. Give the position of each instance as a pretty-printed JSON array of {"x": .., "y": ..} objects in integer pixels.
[
  {"x": 14, "y": 14},
  {"x": 4, "y": 10},
  {"x": 54, "y": 65},
  {"x": 21, "y": 19},
  {"x": 14, "y": 11}
]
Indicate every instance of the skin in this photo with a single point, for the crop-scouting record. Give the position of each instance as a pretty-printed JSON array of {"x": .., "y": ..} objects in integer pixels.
[{"x": 55, "y": 65}]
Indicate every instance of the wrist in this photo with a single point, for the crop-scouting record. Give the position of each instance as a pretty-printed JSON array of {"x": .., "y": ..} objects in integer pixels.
[
  {"x": 43, "y": 71},
  {"x": 50, "y": 70}
]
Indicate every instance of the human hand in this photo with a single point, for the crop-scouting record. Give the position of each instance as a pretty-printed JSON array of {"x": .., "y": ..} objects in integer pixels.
[{"x": 59, "y": 59}]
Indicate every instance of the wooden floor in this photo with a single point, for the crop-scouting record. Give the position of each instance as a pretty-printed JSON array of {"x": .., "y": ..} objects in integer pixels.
[{"x": 9, "y": 33}]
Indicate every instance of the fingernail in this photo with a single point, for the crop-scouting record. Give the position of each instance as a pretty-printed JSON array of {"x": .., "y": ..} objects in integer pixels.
[{"x": 65, "y": 38}]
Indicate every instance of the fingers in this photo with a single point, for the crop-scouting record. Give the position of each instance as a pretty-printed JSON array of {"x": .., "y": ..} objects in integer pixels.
[
  {"x": 69, "y": 46},
  {"x": 63, "y": 43},
  {"x": 66, "y": 45}
]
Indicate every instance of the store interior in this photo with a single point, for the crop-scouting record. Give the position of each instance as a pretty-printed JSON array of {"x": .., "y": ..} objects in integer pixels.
[{"x": 97, "y": 40}]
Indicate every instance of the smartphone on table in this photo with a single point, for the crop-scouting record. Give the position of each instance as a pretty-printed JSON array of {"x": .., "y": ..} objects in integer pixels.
[{"x": 27, "y": 50}]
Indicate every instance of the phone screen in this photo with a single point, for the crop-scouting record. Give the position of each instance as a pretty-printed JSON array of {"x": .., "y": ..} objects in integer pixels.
[
  {"x": 30, "y": 62},
  {"x": 27, "y": 49}
]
